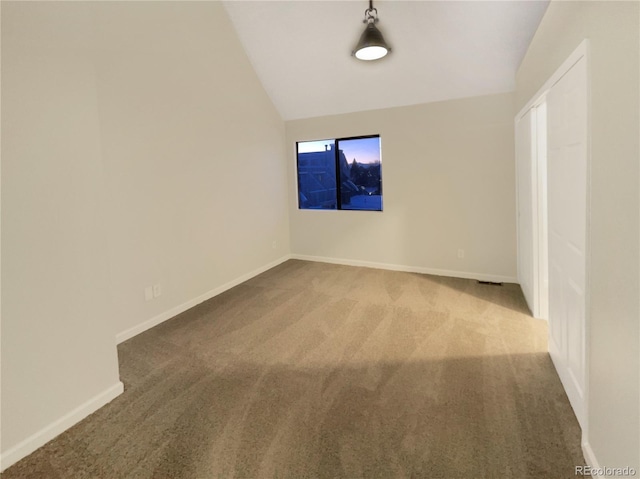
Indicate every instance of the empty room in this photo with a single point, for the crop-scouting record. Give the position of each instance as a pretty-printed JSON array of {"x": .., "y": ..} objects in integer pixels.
[{"x": 320, "y": 239}]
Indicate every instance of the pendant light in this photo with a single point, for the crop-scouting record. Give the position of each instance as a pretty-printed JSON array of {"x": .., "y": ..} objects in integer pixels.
[{"x": 371, "y": 45}]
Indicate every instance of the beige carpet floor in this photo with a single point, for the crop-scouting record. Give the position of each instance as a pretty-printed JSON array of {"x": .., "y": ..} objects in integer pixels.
[{"x": 313, "y": 370}]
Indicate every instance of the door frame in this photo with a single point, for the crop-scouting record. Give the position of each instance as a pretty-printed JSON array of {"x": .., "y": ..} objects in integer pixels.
[{"x": 581, "y": 52}]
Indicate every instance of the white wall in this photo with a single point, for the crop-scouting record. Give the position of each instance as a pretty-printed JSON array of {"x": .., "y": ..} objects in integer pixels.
[
  {"x": 612, "y": 434},
  {"x": 58, "y": 348},
  {"x": 193, "y": 152},
  {"x": 139, "y": 148},
  {"x": 448, "y": 176}
]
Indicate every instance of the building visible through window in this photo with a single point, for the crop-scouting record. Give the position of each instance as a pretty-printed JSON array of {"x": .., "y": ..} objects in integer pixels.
[{"x": 342, "y": 174}]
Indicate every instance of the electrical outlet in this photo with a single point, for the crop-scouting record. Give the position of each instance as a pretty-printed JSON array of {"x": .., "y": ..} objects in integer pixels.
[
  {"x": 460, "y": 253},
  {"x": 274, "y": 244},
  {"x": 157, "y": 290},
  {"x": 148, "y": 293}
]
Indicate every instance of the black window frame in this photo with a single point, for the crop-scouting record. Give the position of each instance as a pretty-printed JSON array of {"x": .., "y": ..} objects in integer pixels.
[{"x": 336, "y": 150}]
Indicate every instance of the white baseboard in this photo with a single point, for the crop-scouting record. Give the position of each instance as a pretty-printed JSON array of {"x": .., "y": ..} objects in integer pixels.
[
  {"x": 46, "y": 434},
  {"x": 409, "y": 269},
  {"x": 590, "y": 457},
  {"x": 162, "y": 317}
]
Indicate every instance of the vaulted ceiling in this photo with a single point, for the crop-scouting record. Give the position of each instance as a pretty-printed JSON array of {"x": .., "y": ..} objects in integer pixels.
[{"x": 301, "y": 51}]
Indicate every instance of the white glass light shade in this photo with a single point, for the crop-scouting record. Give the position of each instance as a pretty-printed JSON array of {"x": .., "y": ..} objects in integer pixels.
[{"x": 371, "y": 53}]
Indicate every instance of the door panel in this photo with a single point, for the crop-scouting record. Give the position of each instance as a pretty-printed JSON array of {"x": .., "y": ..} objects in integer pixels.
[
  {"x": 567, "y": 201},
  {"x": 525, "y": 164},
  {"x": 556, "y": 310},
  {"x": 543, "y": 234},
  {"x": 575, "y": 349}
]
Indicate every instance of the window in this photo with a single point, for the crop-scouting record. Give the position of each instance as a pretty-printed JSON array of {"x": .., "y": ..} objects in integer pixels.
[{"x": 343, "y": 174}]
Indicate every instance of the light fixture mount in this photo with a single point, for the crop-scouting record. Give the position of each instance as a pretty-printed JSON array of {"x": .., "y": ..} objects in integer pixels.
[{"x": 371, "y": 45}]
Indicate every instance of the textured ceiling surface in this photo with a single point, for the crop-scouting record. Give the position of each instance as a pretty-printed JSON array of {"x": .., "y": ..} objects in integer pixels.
[{"x": 301, "y": 51}]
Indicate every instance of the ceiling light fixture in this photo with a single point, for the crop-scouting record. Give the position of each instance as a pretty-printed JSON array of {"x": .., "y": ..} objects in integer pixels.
[{"x": 371, "y": 45}]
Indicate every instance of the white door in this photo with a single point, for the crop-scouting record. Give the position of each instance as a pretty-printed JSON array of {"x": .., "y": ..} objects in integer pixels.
[
  {"x": 567, "y": 212},
  {"x": 531, "y": 158},
  {"x": 525, "y": 165},
  {"x": 542, "y": 246}
]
